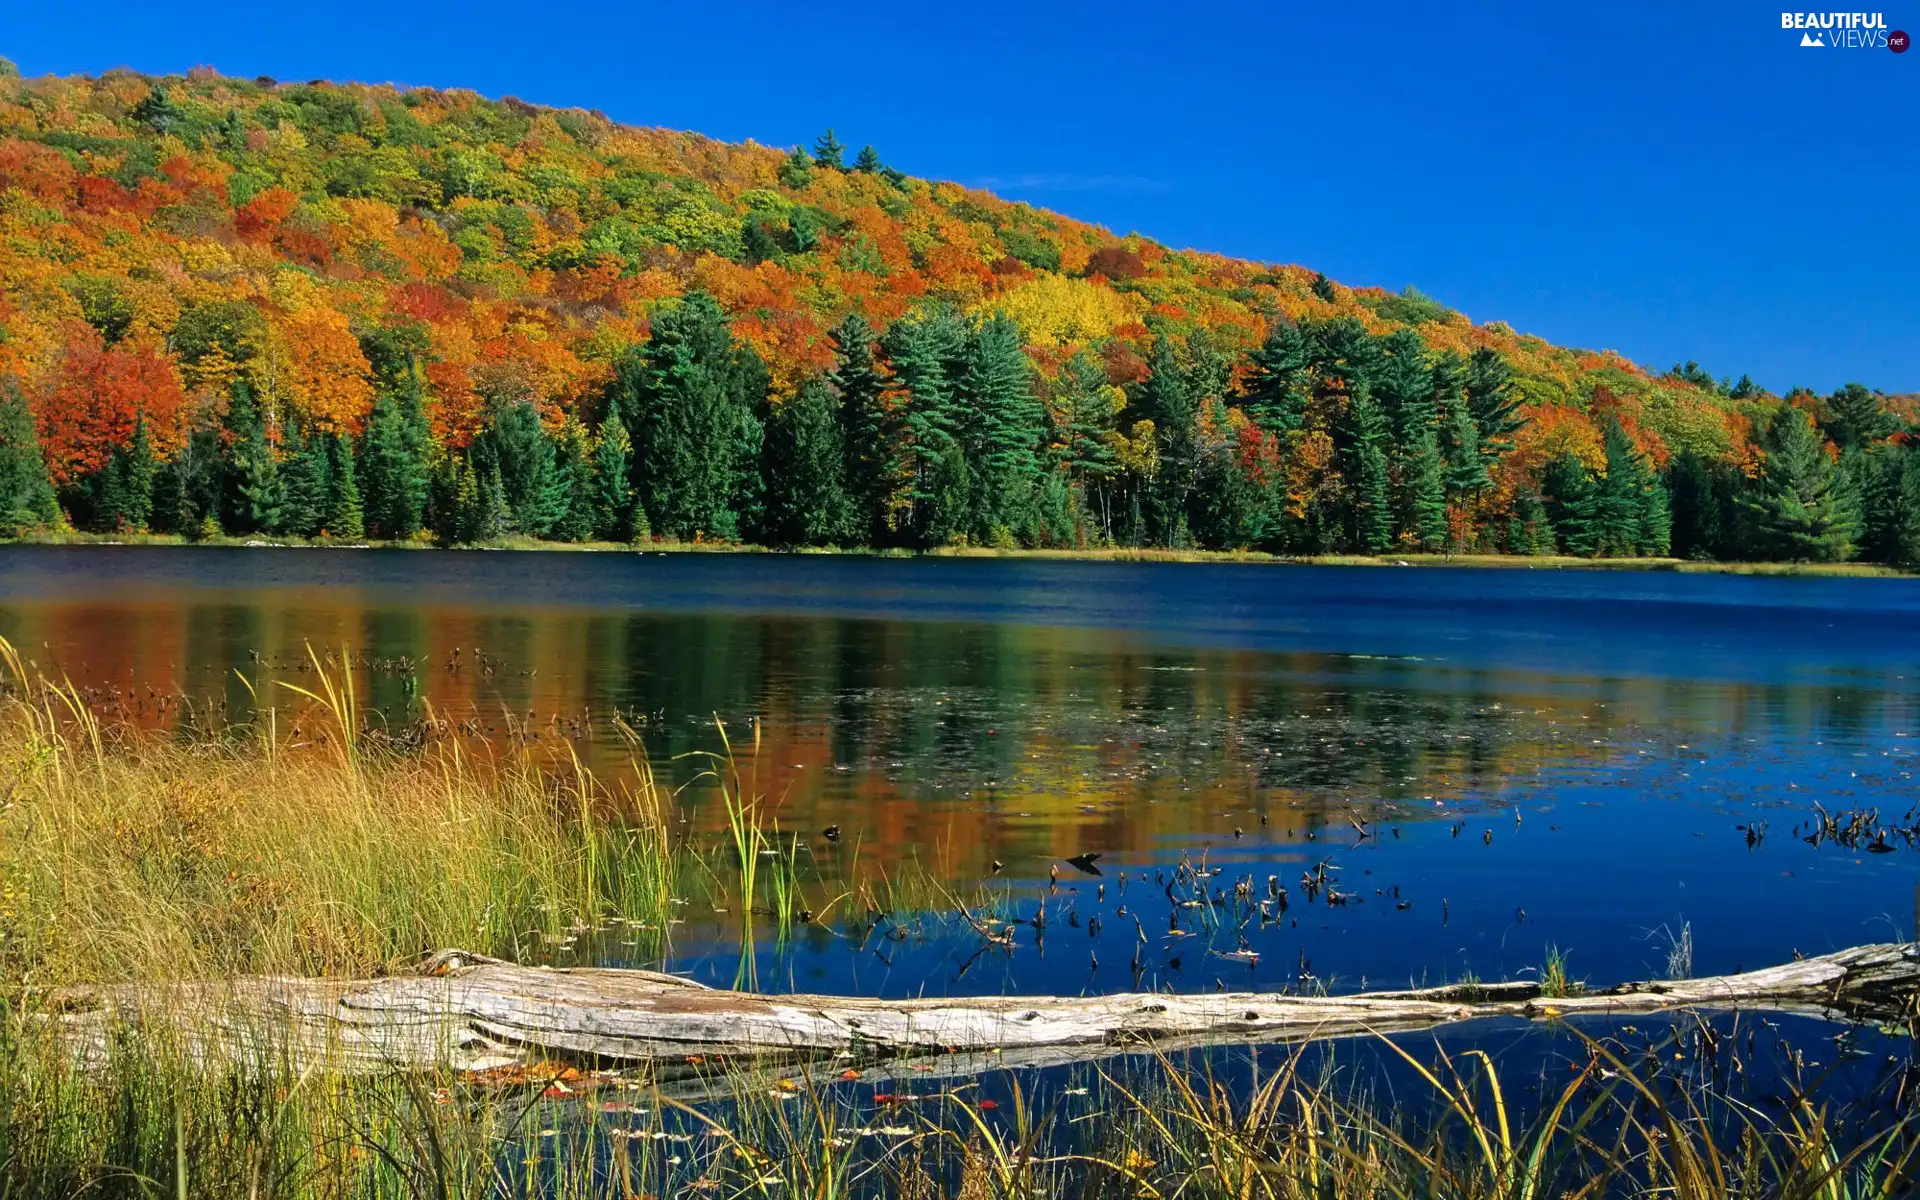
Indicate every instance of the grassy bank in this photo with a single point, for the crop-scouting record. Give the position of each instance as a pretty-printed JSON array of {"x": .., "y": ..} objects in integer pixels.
[
  {"x": 1134, "y": 554},
  {"x": 1619, "y": 1120},
  {"x": 291, "y": 847}
]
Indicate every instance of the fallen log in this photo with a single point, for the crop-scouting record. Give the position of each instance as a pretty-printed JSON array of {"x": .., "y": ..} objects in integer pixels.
[{"x": 466, "y": 1012}]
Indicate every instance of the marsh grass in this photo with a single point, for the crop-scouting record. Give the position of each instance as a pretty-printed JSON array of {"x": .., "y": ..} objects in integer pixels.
[
  {"x": 151, "y": 1122},
  {"x": 133, "y": 856}
]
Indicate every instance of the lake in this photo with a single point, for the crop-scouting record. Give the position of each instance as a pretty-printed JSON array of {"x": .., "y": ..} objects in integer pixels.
[{"x": 1487, "y": 763}]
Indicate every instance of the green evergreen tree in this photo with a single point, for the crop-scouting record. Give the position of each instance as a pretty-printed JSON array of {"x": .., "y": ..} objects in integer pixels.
[
  {"x": 573, "y": 495},
  {"x": 1423, "y": 490},
  {"x": 1623, "y": 497},
  {"x": 1082, "y": 450},
  {"x": 1323, "y": 287},
  {"x": 1466, "y": 468},
  {"x": 453, "y": 508},
  {"x": 341, "y": 517},
  {"x": 693, "y": 400},
  {"x": 252, "y": 493},
  {"x": 1858, "y": 418},
  {"x": 125, "y": 496},
  {"x": 829, "y": 153},
  {"x": 1700, "y": 498},
  {"x": 394, "y": 463},
  {"x": 1907, "y": 537},
  {"x": 868, "y": 161},
  {"x": 26, "y": 494},
  {"x": 522, "y": 453},
  {"x": 1529, "y": 529},
  {"x": 869, "y": 434},
  {"x": 1800, "y": 505},
  {"x": 187, "y": 487},
  {"x": 797, "y": 171},
  {"x": 1277, "y": 387},
  {"x": 1229, "y": 509},
  {"x": 1872, "y": 471},
  {"x": 1167, "y": 399},
  {"x": 1372, "y": 505},
  {"x": 1002, "y": 433},
  {"x": 926, "y": 351},
  {"x": 1571, "y": 501},
  {"x": 1494, "y": 404},
  {"x": 613, "y": 500},
  {"x": 304, "y": 472},
  {"x": 1404, "y": 387},
  {"x": 805, "y": 464}
]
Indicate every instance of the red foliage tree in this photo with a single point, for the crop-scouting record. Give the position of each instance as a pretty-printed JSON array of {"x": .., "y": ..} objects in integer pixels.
[{"x": 95, "y": 396}]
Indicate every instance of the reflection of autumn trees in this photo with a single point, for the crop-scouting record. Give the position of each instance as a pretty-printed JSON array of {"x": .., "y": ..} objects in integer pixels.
[{"x": 974, "y": 742}]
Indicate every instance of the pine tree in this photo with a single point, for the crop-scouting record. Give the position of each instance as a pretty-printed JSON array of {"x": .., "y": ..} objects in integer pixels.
[
  {"x": 454, "y": 500},
  {"x": 829, "y": 153},
  {"x": 1466, "y": 469},
  {"x": 1656, "y": 521},
  {"x": 341, "y": 517},
  {"x": 1907, "y": 538},
  {"x": 1323, "y": 287},
  {"x": 926, "y": 352},
  {"x": 1699, "y": 500},
  {"x": 1800, "y": 504},
  {"x": 394, "y": 463},
  {"x": 1276, "y": 391},
  {"x": 1002, "y": 433},
  {"x": 524, "y": 456},
  {"x": 1082, "y": 450},
  {"x": 1529, "y": 530},
  {"x": 805, "y": 461},
  {"x": 692, "y": 400},
  {"x": 1404, "y": 387},
  {"x": 1858, "y": 418},
  {"x": 252, "y": 493},
  {"x": 868, "y": 161},
  {"x": 572, "y": 496},
  {"x": 1424, "y": 493},
  {"x": 797, "y": 171},
  {"x": 1167, "y": 399},
  {"x": 868, "y": 431},
  {"x": 125, "y": 498},
  {"x": 1872, "y": 472},
  {"x": 1493, "y": 403},
  {"x": 303, "y": 478},
  {"x": 187, "y": 487},
  {"x": 1621, "y": 498},
  {"x": 1571, "y": 503},
  {"x": 613, "y": 501},
  {"x": 1372, "y": 507},
  {"x": 1229, "y": 511},
  {"x": 26, "y": 494}
]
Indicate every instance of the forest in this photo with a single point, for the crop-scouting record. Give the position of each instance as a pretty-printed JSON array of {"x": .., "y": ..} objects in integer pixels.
[{"x": 247, "y": 308}]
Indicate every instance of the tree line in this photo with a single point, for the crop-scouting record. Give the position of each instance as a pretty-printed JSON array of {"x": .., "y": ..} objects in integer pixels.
[{"x": 940, "y": 430}]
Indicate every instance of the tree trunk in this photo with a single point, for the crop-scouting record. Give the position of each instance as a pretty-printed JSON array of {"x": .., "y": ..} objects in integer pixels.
[{"x": 465, "y": 1011}]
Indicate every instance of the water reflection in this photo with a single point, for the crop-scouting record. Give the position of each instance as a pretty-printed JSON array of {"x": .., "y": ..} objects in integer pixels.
[{"x": 1493, "y": 761}]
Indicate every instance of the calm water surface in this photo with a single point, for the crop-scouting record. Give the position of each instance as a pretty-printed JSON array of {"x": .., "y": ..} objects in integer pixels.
[{"x": 1489, "y": 763}]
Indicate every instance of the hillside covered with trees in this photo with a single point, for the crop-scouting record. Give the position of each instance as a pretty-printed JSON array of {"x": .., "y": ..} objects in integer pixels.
[{"x": 318, "y": 310}]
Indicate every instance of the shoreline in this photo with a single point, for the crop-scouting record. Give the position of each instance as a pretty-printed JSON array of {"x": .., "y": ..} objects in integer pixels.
[{"x": 1118, "y": 554}]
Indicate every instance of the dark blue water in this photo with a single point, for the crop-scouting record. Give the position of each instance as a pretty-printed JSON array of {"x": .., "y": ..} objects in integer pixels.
[{"x": 1491, "y": 765}]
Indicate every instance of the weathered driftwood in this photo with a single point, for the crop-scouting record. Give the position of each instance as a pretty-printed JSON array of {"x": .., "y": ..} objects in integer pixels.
[{"x": 465, "y": 1011}]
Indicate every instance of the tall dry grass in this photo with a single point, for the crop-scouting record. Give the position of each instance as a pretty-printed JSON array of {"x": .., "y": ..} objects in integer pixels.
[{"x": 134, "y": 856}]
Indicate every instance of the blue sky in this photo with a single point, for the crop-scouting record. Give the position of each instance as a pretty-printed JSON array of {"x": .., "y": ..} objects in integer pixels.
[{"x": 1669, "y": 182}]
